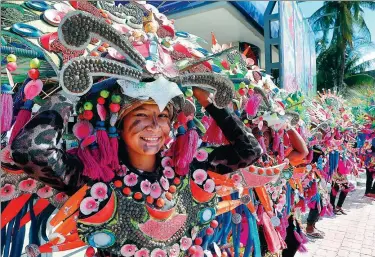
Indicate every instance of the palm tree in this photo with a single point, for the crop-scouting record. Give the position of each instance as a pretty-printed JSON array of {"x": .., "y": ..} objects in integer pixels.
[
  {"x": 354, "y": 68},
  {"x": 344, "y": 21}
]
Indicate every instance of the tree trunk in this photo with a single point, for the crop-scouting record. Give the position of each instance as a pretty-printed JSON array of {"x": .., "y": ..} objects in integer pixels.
[{"x": 340, "y": 81}]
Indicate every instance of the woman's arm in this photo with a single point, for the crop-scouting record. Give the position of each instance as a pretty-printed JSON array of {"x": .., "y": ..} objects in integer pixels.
[
  {"x": 243, "y": 149},
  {"x": 300, "y": 150},
  {"x": 37, "y": 149}
]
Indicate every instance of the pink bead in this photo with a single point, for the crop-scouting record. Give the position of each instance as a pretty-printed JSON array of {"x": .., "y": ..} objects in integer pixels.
[{"x": 12, "y": 66}]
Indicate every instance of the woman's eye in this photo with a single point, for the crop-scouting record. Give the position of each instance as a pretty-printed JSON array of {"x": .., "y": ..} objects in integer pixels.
[
  {"x": 163, "y": 116},
  {"x": 141, "y": 115}
]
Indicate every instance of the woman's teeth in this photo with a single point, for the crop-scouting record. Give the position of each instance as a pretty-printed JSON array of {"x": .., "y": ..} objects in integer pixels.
[{"x": 152, "y": 139}]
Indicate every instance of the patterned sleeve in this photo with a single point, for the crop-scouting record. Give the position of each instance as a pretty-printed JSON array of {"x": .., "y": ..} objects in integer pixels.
[
  {"x": 37, "y": 148},
  {"x": 243, "y": 149}
]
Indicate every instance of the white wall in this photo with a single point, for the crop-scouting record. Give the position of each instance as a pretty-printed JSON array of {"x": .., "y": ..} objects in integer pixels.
[{"x": 227, "y": 23}]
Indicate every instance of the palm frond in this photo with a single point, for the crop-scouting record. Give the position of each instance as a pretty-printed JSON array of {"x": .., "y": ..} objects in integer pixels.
[
  {"x": 360, "y": 80},
  {"x": 362, "y": 67},
  {"x": 367, "y": 4},
  {"x": 362, "y": 29}
]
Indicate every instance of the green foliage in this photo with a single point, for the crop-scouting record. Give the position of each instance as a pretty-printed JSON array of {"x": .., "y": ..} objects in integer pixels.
[{"x": 343, "y": 32}]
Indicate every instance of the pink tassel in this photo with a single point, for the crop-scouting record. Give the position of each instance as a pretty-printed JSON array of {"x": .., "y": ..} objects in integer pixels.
[
  {"x": 214, "y": 135},
  {"x": 323, "y": 212},
  {"x": 6, "y": 101},
  {"x": 302, "y": 249},
  {"x": 206, "y": 122},
  {"x": 262, "y": 144},
  {"x": 286, "y": 139},
  {"x": 114, "y": 153},
  {"x": 304, "y": 238},
  {"x": 253, "y": 104},
  {"x": 91, "y": 167},
  {"x": 101, "y": 111},
  {"x": 311, "y": 204},
  {"x": 185, "y": 149},
  {"x": 282, "y": 151},
  {"x": 23, "y": 117},
  {"x": 107, "y": 174},
  {"x": 310, "y": 156},
  {"x": 298, "y": 237},
  {"x": 276, "y": 141},
  {"x": 95, "y": 152},
  {"x": 104, "y": 146}
]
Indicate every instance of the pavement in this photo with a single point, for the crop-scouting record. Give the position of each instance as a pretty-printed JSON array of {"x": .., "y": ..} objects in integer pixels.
[{"x": 351, "y": 235}]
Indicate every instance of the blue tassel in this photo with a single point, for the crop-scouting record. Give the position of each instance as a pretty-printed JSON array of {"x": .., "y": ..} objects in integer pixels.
[
  {"x": 226, "y": 226},
  {"x": 236, "y": 229},
  {"x": 288, "y": 198},
  {"x": 8, "y": 238},
  {"x": 33, "y": 233},
  {"x": 218, "y": 230},
  {"x": 44, "y": 216},
  {"x": 18, "y": 234},
  {"x": 4, "y": 229}
]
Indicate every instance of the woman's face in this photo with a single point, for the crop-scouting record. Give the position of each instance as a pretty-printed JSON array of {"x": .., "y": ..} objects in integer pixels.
[{"x": 145, "y": 129}]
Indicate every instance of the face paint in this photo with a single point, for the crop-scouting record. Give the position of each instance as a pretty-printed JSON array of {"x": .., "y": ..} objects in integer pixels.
[{"x": 145, "y": 129}]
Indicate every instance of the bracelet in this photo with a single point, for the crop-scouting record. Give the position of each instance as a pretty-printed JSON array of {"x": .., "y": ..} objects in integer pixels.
[{"x": 26, "y": 30}]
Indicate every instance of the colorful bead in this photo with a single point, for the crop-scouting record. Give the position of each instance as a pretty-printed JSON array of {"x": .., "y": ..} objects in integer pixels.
[
  {"x": 116, "y": 99},
  {"x": 127, "y": 191},
  {"x": 12, "y": 66},
  {"x": 35, "y": 63},
  {"x": 90, "y": 252},
  {"x": 172, "y": 189},
  {"x": 101, "y": 100},
  {"x": 150, "y": 200},
  {"x": 94, "y": 53},
  {"x": 252, "y": 169},
  {"x": 88, "y": 106},
  {"x": 169, "y": 196},
  {"x": 210, "y": 231},
  {"x": 138, "y": 196},
  {"x": 118, "y": 183},
  {"x": 160, "y": 202},
  {"x": 114, "y": 107},
  {"x": 242, "y": 92},
  {"x": 33, "y": 74},
  {"x": 104, "y": 93},
  {"x": 11, "y": 58},
  {"x": 192, "y": 250},
  {"x": 198, "y": 241},
  {"x": 101, "y": 49},
  {"x": 189, "y": 93},
  {"x": 269, "y": 172},
  {"x": 214, "y": 224},
  {"x": 176, "y": 181},
  {"x": 260, "y": 171},
  {"x": 88, "y": 115}
]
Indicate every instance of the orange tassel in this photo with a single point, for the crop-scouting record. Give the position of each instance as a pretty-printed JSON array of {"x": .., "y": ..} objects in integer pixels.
[
  {"x": 251, "y": 207},
  {"x": 68, "y": 225},
  {"x": 226, "y": 206},
  {"x": 221, "y": 180},
  {"x": 13, "y": 208},
  {"x": 300, "y": 170},
  {"x": 264, "y": 198},
  {"x": 71, "y": 242},
  {"x": 39, "y": 206},
  {"x": 70, "y": 206},
  {"x": 288, "y": 151}
]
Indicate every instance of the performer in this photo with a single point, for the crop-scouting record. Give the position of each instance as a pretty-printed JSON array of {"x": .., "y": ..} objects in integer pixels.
[{"x": 130, "y": 195}]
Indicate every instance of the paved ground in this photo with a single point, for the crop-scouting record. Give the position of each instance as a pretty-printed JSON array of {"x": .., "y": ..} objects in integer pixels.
[{"x": 347, "y": 236}]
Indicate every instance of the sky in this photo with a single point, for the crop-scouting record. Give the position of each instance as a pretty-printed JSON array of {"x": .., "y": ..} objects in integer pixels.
[{"x": 309, "y": 7}]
